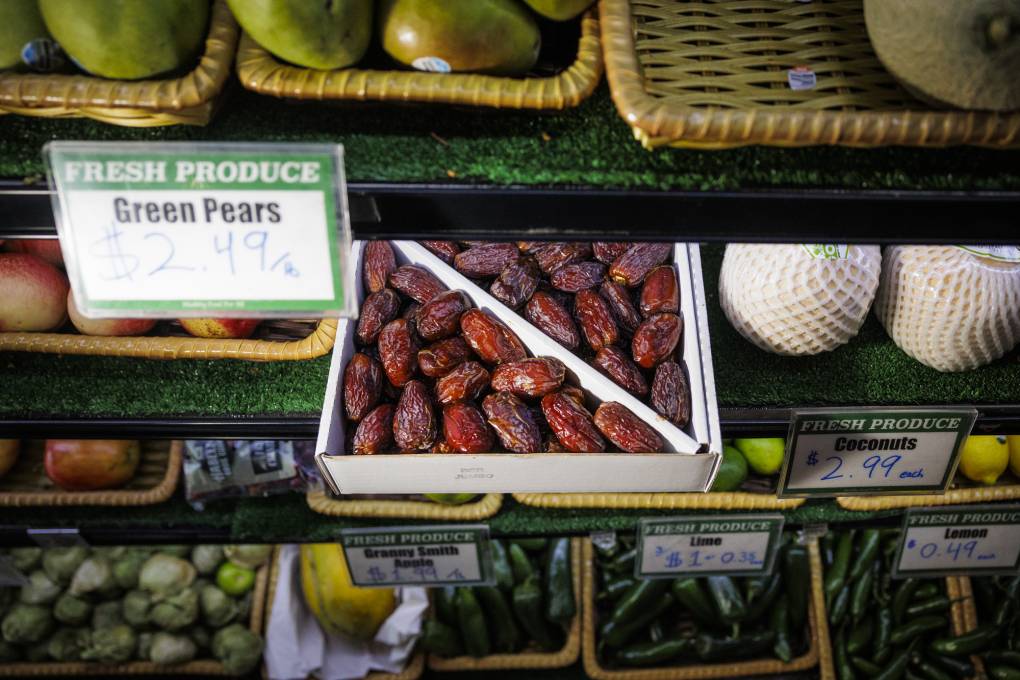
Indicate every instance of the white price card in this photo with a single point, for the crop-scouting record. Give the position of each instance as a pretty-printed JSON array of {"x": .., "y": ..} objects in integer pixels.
[
  {"x": 419, "y": 556},
  {"x": 173, "y": 230},
  {"x": 975, "y": 539},
  {"x": 868, "y": 451},
  {"x": 707, "y": 546}
]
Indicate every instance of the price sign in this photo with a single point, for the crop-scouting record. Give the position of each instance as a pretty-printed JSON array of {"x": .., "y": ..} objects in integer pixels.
[
  {"x": 418, "y": 556},
  {"x": 187, "y": 229},
  {"x": 855, "y": 452},
  {"x": 978, "y": 539},
  {"x": 707, "y": 546}
]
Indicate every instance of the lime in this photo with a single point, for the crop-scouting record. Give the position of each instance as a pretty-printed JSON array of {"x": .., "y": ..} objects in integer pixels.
[
  {"x": 450, "y": 498},
  {"x": 765, "y": 456},
  {"x": 732, "y": 470},
  {"x": 984, "y": 458},
  {"x": 1014, "y": 453},
  {"x": 234, "y": 580}
]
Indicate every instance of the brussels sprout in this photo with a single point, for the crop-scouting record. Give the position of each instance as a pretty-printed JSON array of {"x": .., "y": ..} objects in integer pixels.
[
  {"x": 200, "y": 583},
  {"x": 170, "y": 649},
  {"x": 163, "y": 575},
  {"x": 144, "y": 645},
  {"x": 249, "y": 556},
  {"x": 206, "y": 558},
  {"x": 115, "y": 644},
  {"x": 71, "y": 610},
  {"x": 137, "y": 607},
  {"x": 107, "y": 615},
  {"x": 94, "y": 575},
  {"x": 237, "y": 648},
  {"x": 201, "y": 636},
  {"x": 8, "y": 652},
  {"x": 61, "y": 563},
  {"x": 26, "y": 623},
  {"x": 39, "y": 589},
  {"x": 26, "y": 559},
  {"x": 67, "y": 644},
  {"x": 218, "y": 608},
  {"x": 127, "y": 568},
  {"x": 177, "y": 611},
  {"x": 174, "y": 550},
  {"x": 113, "y": 554}
]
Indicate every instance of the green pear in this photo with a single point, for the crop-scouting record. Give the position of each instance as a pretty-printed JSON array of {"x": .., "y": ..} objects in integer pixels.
[
  {"x": 20, "y": 24},
  {"x": 128, "y": 39},
  {"x": 479, "y": 36},
  {"x": 559, "y": 10},
  {"x": 319, "y": 34},
  {"x": 765, "y": 456}
]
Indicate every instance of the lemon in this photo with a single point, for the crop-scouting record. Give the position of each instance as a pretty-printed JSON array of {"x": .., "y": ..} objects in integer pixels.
[
  {"x": 764, "y": 455},
  {"x": 732, "y": 470},
  {"x": 984, "y": 458},
  {"x": 1014, "y": 453}
]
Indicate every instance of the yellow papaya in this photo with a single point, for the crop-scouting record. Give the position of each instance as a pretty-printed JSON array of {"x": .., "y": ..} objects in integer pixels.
[{"x": 338, "y": 605}]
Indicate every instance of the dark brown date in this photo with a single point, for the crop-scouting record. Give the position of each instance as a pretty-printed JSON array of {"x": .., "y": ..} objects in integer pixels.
[
  {"x": 615, "y": 363},
  {"x": 595, "y": 319},
  {"x": 377, "y": 263},
  {"x": 465, "y": 382},
  {"x": 416, "y": 282},
  {"x": 660, "y": 292},
  {"x": 516, "y": 283},
  {"x": 553, "y": 319},
  {"x": 631, "y": 268},
  {"x": 621, "y": 305},
  {"x": 655, "y": 339},
  {"x": 414, "y": 422},
  {"x": 572, "y": 424},
  {"x": 606, "y": 252},
  {"x": 363, "y": 385},
  {"x": 490, "y": 339},
  {"x": 378, "y": 310},
  {"x": 513, "y": 422},
  {"x": 411, "y": 311},
  {"x": 465, "y": 429},
  {"x": 440, "y": 317},
  {"x": 578, "y": 276},
  {"x": 626, "y": 430},
  {"x": 444, "y": 250},
  {"x": 671, "y": 393},
  {"x": 483, "y": 262},
  {"x": 375, "y": 431},
  {"x": 529, "y": 377},
  {"x": 441, "y": 357},
  {"x": 398, "y": 350},
  {"x": 552, "y": 256}
]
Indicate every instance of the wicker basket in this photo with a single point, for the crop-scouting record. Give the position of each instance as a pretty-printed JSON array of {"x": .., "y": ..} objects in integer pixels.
[
  {"x": 809, "y": 659},
  {"x": 188, "y": 100},
  {"x": 713, "y": 74},
  {"x": 978, "y": 494},
  {"x": 529, "y": 659},
  {"x": 403, "y": 508},
  {"x": 158, "y": 471},
  {"x": 735, "y": 500},
  {"x": 261, "y": 72},
  {"x": 274, "y": 341},
  {"x": 197, "y": 667}
]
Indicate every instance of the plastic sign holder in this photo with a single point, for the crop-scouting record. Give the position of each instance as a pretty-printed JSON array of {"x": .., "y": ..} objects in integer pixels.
[
  {"x": 429, "y": 556},
  {"x": 733, "y": 545},
  {"x": 175, "y": 230},
  {"x": 959, "y": 540},
  {"x": 871, "y": 451}
]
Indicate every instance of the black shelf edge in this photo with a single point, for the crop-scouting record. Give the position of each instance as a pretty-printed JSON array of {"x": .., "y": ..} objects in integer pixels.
[{"x": 393, "y": 210}]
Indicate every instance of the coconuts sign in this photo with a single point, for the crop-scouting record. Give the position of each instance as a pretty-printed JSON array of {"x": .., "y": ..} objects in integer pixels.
[{"x": 193, "y": 230}]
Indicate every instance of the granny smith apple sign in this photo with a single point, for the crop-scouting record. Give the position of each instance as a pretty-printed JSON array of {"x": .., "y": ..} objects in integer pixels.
[{"x": 178, "y": 230}]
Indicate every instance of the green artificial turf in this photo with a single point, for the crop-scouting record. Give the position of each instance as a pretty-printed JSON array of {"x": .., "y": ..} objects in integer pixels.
[{"x": 588, "y": 145}]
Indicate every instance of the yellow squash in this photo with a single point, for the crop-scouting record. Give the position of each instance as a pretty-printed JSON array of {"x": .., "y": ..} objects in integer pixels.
[{"x": 338, "y": 605}]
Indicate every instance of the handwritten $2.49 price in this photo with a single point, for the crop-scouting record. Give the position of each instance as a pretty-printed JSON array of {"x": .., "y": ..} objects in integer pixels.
[{"x": 872, "y": 467}]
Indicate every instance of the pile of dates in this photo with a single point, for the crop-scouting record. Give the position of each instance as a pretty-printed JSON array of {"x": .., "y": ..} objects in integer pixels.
[{"x": 434, "y": 374}]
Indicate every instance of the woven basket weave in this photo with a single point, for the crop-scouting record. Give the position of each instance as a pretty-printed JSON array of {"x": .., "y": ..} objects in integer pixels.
[
  {"x": 188, "y": 100},
  {"x": 482, "y": 508},
  {"x": 198, "y": 667},
  {"x": 734, "y": 500},
  {"x": 159, "y": 470},
  {"x": 315, "y": 344},
  {"x": 562, "y": 658},
  {"x": 713, "y": 74},
  {"x": 978, "y": 494},
  {"x": 263, "y": 73}
]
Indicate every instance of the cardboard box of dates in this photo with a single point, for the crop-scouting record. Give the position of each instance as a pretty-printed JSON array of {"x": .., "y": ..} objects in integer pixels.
[{"x": 528, "y": 366}]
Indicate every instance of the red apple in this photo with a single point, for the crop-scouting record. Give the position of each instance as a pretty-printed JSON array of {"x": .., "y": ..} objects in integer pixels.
[
  {"x": 8, "y": 454},
  {"x": 33, "y": 294},
  {"x": 46, "y": 248},
  {"x": 88, "y": 326},
  {"x": 91, "y": 464},
  {"x": 220, "y": 328}
]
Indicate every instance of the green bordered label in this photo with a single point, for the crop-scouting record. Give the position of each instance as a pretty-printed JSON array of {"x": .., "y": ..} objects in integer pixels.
[
  {"x": 707, "y": 546},
  {"x": 976, "y": 539},
  {"x": 857, "y": 452},
  {"x": 189, "y": 229},
  {"x": 418, "y": 556}
]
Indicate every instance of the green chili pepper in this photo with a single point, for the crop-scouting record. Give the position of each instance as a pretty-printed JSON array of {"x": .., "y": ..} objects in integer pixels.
[
  {"x": 861, "y": 595},
  {"x": 1007, "y": 603},
  {"x": 471, "y": 623},
  {"x": 531, "y": 544},
  {"x": 973, "y": 642},
  {"x": 655, "y": 653},
  {"x": 844, "y": 671},
  {"x": 501, "y": 565},
  {"x": 935, "y": 605},
  {"x": 656, "y": 633},
  {"x": 444, "y": 601},
  {"x": 615, "y": 589},
  {"x": 506, "y": 637},
  {"x": 986, "y": 595},
  {"x": 690, "y": 595},
  {"x": 835, "y": 576},
  {"x": 897, "y": 666},
  {"x": 527, "y": 604},
  {"x": 754, "y": 587},
  {"x": 520, "y": 564},
  {"x": 639, "y": 599},
  {"x": 711, "y": 648},
  {"x": 867, "y": 553},
  {"x": 559, "y": 584},
  {"x": 860, "y": 636},
  {"x": 840, "y": 604},
  {"x": 998, "y": 672},
  {"x": 618, "y": 633},
  {"x": 959, "y": 668},
  {"x": 883, "y": 630},
  {"x": 931, "y": 671},
  {"x": 623, "y": 563},
  {"x": 1002, "y": 657},
  {"x": 910, "y": 675},
  {"x": 797, "y": 581},
  {"x": 780, "y": 627},
  {"x": 901, "y": 600},
  {"x": 903, "y": 634},
  {"x": 865, "y": 666},
  {"x": 926, "y": 591},
  {"x": 441, "y": 639},
  {"x": 729, "y": 603},
  {"x": 827, "y": 546},
  {"x": 764, "y": 603}
]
